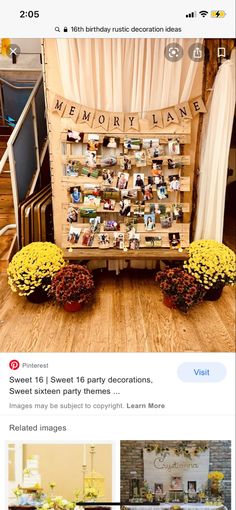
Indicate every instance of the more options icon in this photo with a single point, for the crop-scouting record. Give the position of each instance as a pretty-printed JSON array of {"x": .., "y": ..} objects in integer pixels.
[{"x": 173, "y": 52}]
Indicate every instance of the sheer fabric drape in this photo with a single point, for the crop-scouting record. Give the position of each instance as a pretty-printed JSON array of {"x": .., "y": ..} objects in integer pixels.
[
  {"x": 125, "y": 75},
  {"x": 215, "y": 145}
]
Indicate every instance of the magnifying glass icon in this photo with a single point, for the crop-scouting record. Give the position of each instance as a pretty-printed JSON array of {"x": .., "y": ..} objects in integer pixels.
[{"x": 57, "y": 29}]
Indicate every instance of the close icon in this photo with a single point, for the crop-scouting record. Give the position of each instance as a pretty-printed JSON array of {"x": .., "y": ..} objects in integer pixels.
[{"x": 13, "y": 51}]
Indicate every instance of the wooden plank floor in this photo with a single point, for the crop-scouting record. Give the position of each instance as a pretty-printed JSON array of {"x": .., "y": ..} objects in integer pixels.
[{"x": 127, "y": 315}]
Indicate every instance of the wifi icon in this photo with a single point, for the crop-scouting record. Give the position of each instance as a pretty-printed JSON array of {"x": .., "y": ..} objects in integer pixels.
[{"x": 203, "y": 13}]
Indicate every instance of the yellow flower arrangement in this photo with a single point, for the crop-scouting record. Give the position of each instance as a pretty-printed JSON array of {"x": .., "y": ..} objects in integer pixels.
[
  {"x": 34, "y": 266},
  {"x": 211, "y": 263},
  {"x": 216, "y": 475}
]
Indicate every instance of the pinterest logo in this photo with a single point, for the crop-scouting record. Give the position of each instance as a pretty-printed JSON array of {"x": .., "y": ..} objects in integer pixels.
[{"x": 14, "y": 364}]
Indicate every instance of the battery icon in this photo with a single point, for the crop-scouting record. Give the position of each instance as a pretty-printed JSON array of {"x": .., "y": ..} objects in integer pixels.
[{"x": 218, "y": 14}]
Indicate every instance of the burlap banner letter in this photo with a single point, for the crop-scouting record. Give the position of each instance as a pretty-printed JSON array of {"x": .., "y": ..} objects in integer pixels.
[
  {"x": 116, "y": 122},
  {"x": 170, "y": 116},
  {"x": 86, "y": 115},
  {"x": 59, "y": 105},
  {"x": 197, "y": 105},
  {"x": 155, "y": 119},
  {"x": 72, "y": 111},
  {"x": 131, "y": 121},
  {"x": 101, "y": 119},
  {"x": 183, "y": 111}
]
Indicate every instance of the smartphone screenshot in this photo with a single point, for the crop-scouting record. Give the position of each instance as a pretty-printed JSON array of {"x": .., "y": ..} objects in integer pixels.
[{"x": 117, "y": 255}]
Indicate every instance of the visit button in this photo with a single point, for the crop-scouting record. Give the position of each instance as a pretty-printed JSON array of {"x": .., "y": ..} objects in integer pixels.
[{"x": 201, "y": 372}]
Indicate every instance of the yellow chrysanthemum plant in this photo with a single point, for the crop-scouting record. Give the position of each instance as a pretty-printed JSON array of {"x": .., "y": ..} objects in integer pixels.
[
  {"x": 216, "y": 475},
  {"x": 211, "y": 263},
  {"x": 33, "y": 267}
]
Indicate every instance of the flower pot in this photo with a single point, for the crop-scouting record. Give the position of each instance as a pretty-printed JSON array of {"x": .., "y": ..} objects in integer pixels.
[
  {"x": 74, "y": 306},
  {"x": 216, "y": 488},
  {"x": 38, "y": 296},
  {"x": 168, "y": 301},
  {"x": 213, "y": 294}
]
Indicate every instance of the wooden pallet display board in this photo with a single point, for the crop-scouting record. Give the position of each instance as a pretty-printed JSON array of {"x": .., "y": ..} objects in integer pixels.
[
  {"x": 61, "y": 152},
  {"x": 72, "y": 151}
]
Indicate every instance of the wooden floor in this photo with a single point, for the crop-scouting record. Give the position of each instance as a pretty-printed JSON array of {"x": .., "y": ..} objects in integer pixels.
[{"x": 127, "y": 315}]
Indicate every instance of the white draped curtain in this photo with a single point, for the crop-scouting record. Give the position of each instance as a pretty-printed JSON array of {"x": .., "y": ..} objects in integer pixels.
[
  {"x": 124, "y": 74},
  {"x": 215, "y": 145}
]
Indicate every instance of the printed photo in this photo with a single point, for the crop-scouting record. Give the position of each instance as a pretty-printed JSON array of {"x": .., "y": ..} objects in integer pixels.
[
  {"x": 73, "y": 235},
  {"x": 139, "y": 210},
  {"x": 108, "y": 161},
  {"x": 153, "y": 241},
  {"x": 134, "y": 241},
  {"x": 158, "y": 488},
  {"x": 108, "y": 175},
  {"x": 92, "y": 200},
  {"x": 72, "y": 168},
  {"x": 132, "y": 143},
  {"x": 75, "y": 194},
  {"x": 147, "y": 192},
  {"x": 109, "y": 204},
  {"x": 166, "y": 220},
  {"x": 131, "y": 193},
  {"x": 154, "y": 208},
  {"x": 176, "y": 483},
  {"x": 125, "y": 207},
  {"x": 177, "y": 211},
  {"x": 111, "y": 142},
  {"x": 149, "y": 221},
  {"x": 173, "y": 146},
  {"x": 138, "y": 180},
  {"x": 174, "y": 164},
  {"x": 88, "y": 212},
  {"x": 125, "y": 162},
  {"x": 162, "y": 193},
  {"x": 111, "y": 225},
  {"x": 131, "y": 224},
  {"x": 122, "y": 180},
  {"x": 174, "y": 239},
  {"x": 72, "y": 214},
  {"x": 140, "y": 158},
  {"x": 74, "y": 136},
  {"x": 95, "y": 223},
  {"x": 156, "y": 165},
  {"x": 87, "y": 237},
  {"x": 192, "y": 486},
  {"x": 90, "y": 159},
  {"x": 92, "y": 145},
  {"x": 103, "y": 240},
  {"x": 150, "y": 143},
  {"x": 174, "y": 182},
  {"x": 119, "y": 240}
]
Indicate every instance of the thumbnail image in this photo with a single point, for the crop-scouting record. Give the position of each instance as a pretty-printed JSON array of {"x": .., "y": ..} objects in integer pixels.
[
  {"x": 176, "y": 475},
  {"x": 36, "y": 475},
  {"x": 115, "y": 135}
]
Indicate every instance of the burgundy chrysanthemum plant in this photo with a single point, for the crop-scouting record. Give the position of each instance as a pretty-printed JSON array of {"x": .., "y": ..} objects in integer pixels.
[
  {"x": 72, "y": 283},
  {"x": 181, "y": 287}
]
